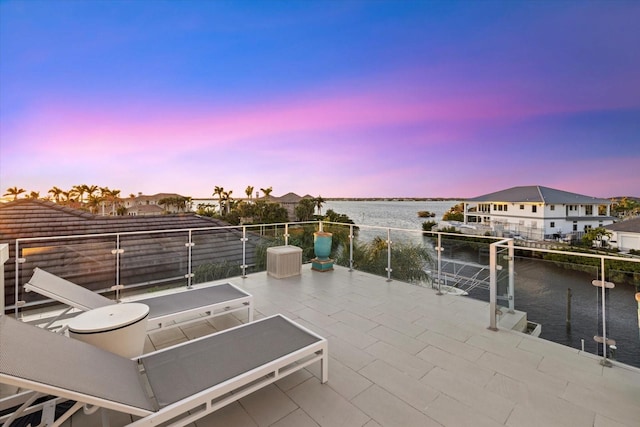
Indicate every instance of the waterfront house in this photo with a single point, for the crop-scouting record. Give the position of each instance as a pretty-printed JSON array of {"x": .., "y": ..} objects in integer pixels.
[
  {"x": 625, "y": 234},
  {"x": 537, "y": 213},
  {"x": 156, "y": 204},
  {"x": 289, "y": 201}
]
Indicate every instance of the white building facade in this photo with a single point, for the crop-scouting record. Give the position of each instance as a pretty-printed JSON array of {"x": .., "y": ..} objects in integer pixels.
[
  {"x": 536, "y": 213},
  {"x": 625, "y": 235}
]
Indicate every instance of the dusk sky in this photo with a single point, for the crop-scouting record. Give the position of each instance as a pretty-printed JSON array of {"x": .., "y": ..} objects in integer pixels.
[{"x": 332, "y": 98}]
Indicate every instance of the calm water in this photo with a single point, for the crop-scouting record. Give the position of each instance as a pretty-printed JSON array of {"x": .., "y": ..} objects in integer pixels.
[
  {"x": 389, "y": 214},
  {"x": 541, "y": 287}
]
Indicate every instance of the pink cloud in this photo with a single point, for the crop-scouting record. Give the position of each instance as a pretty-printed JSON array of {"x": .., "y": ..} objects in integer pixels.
[{"x": 136, "y": 129}]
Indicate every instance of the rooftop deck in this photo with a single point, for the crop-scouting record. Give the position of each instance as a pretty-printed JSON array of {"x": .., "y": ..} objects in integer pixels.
[{"x": 400, "y": 355}]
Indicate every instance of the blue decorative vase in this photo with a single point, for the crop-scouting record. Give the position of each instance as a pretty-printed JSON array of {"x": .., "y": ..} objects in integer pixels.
[{"x": 322, "y": 245}]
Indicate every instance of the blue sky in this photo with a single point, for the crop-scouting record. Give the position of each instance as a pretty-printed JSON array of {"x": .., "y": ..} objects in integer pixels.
[{"x": 331, "y": 98}]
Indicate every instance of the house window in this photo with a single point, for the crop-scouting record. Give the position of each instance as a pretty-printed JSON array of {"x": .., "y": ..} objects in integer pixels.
[
  {"x": 575, "y": 225},
  {"x": 588, "y": 210},
  {"x": 505, "y": 208},
  {"x": 552, "y": 208},
  {"x": 521, "y": 207},
  {"x": 552, "y": 224},
  {"x": 534, "y": 209}
]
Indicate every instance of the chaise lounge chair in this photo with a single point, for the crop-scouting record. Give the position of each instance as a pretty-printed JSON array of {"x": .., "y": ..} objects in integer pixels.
[
  {"x": 212, "y": 300},
  {"x": 174, "y": 386}
]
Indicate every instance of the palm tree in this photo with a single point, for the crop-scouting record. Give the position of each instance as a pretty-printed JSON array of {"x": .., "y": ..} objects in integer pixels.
[
  {"x": 34, "y": 195},
  {"x": 167, "y": 202},
  {"x": 319, "y": 201},
  {"x": 111, "y": 196},
  {"x": 66, "y": 197},
  {"x": 104, "y": 197},
  {"x": 95, "y": 201},
  {"x": 249, "y": 192},
  {"x": 80, "y": 190},
  {"x": 115, "y": 197},
  {"x": 91, "y": 190},
  {"x": 304, "y": 209},
  {"x": 15, "y": 192},
  {"x": 227, "y": 200},
  {"x": 56, "y": 193},
  {"x": 184, "y": 203},
  {"x": 219, "y": 191},
  {"x": 267, "y": 191}
]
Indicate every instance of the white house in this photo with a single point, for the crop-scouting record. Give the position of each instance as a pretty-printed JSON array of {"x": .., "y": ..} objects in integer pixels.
[
  {"x": 141, "y": 205},
  {"x": 537, "y": 213},
  {"x": 625, "y": 234}
]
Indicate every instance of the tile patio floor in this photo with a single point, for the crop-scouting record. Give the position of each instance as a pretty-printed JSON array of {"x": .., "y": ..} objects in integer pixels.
[{"x": 401, "y": 355}]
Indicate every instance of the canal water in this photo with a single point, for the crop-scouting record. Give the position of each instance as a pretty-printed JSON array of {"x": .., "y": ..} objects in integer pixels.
[{"x": 541, "y": 287}]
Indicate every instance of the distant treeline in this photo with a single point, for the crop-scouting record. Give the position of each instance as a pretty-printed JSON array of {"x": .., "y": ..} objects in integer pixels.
[{"x": 391, "y": 199}]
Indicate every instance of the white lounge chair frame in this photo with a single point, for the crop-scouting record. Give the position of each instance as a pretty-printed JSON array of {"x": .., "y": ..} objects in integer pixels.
[
  {"x": 95, "y": 378},
  {"x": 205, "y": 299}
]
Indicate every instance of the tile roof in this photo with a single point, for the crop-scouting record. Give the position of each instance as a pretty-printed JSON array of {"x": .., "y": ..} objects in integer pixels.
[{"x": 39, "y": 218}]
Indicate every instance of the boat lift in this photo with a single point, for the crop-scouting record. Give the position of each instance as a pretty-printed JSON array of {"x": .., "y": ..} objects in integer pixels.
[{"x": 461, "y": 277}]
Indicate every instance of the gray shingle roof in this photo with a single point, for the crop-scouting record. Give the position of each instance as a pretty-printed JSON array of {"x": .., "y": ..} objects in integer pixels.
[
  {"x": 629, "y": 225},
  {"x": 538, "y": 194}
]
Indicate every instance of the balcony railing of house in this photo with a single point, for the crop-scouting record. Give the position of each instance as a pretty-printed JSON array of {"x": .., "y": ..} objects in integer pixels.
[{"x": 486, "y": 268}]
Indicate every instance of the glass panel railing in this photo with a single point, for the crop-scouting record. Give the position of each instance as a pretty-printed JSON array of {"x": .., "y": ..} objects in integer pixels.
[
  {"x": 370, "y": 252},
  {"x": 622, "y": 315},
  {"x": 302, "y": 236},
  {"x": 263, "y": 237},
  {"x": 219, "y": 253},
  {"x": 153, "y": 259},
  {"x": 88, "y": 262},
  {"x": 558, "y": 296},
  {"x": 464, "y": 265},
  {"x": 411, "y": 259},
  {"x": 553, "y": 288},
  {"x": 558, "y": 299}
]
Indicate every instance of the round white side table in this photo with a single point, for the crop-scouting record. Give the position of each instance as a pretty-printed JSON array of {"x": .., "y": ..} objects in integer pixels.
[{"x": 118, "y": 328}]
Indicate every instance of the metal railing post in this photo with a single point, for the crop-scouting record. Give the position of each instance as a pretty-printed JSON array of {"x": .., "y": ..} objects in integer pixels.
[
  {"x": 388, "y": 255},
  {"x": 117, "y": 253},
  {"x": 16, "y": 279},
  {"x": 493, "y": 280},
  {"x": 439, "y": 250},
  {"x": 189, "y": 246},
  {"x": 604, "y": 361},
  {"x": 351, "y": 237},
  {"x": 286, "y": 234},
  {"x": 493, "y": 286},
  {"x": 4, "y": 257},
  {"x": 244, "y": 251},
  {"x": 512, "y": 287}
]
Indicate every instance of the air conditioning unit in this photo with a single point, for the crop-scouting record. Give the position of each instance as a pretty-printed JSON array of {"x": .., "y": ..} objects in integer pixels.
[{"x": 284, "y": 261}]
